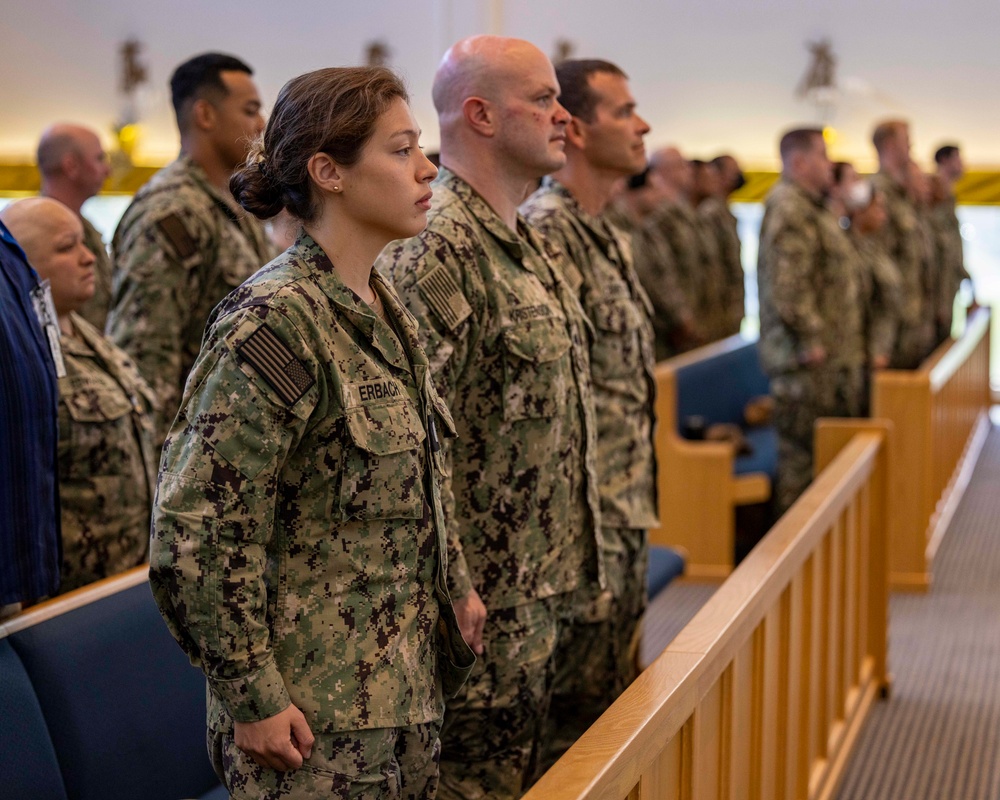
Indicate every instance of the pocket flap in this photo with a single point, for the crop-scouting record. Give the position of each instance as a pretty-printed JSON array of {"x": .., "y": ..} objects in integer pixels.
[
  {"x": 385, "y": 428},
  {"x": 539, "y": 340},
  {"x": 619, "y": 315},
  {"x": 89, "y": 403}
]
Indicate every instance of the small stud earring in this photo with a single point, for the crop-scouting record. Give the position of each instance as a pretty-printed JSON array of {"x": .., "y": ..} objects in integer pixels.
[{"x": 336, "y": 188}]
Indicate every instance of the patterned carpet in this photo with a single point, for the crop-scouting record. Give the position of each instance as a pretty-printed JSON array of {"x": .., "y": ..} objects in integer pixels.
[{"x": 938, "y": 736}]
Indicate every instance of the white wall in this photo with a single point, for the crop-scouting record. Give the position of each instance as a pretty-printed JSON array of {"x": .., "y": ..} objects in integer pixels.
[{"x": 709, "y": 74}]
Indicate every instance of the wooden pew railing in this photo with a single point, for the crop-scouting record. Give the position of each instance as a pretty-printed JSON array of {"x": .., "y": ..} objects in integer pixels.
[
  {"x": 698, "y": 492},
  {"x": 762, "y": 695},
  {"x": 940, "y": 417}
]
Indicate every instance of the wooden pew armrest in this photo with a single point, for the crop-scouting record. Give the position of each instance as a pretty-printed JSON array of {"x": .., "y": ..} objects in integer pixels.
[{"x": 754, "y": 487}]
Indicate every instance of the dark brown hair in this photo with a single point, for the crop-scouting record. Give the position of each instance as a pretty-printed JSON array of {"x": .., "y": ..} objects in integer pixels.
[
  {"x": 576, "y": 94},
  {"x": 332, "y": 111}
]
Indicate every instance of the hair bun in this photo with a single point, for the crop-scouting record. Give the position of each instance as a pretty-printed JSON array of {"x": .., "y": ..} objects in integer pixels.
[{"x": 254, "y": 186}]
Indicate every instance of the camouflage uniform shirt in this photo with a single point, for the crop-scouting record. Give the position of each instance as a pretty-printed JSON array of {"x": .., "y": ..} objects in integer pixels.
[
  {"x": 596, "y": 261},
  {"x": 723, "y": 222},
  {"x": 657, "y": 272},
  {"x": 809, "y": 277},
  {"x": 950, "y": 256},
  {"x": 178, "y": 250},
  {"x": 95, "y": 310},
  {"x": 904, "y": 241},
  {"x": 507, "y": 342},
  {"x": 298, "y": 549},
  {"x": 106, "y": 467}
]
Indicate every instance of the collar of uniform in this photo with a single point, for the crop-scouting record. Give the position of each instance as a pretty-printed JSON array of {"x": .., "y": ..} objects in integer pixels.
[
  {"x": 82, "y": 344},
  {"x": 600, "y": 227},
  {"x": 484, "y": 213},
  {"x": 354, "y": 310},
  {"x": 798, "y": 191},
  {"x": 888, "y": 184}
]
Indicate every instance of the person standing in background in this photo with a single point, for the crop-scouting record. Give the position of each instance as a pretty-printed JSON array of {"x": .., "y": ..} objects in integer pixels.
[{"x": 74, "y": 167}]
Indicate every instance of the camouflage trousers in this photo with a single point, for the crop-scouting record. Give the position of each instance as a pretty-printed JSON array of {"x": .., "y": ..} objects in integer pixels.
[
  {"x": 375, "y": 764},
  {"x": 914, "y": 343},
  {"x": 492, "y": 727},
  {"x": 597, "y": 656},
  {"x": 800, "y": 398}
]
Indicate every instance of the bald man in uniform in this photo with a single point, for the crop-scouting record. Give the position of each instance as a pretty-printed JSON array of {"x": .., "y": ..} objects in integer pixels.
[
  {"x": 74, "y": 166},
  {"x": 507, "y": 342}
]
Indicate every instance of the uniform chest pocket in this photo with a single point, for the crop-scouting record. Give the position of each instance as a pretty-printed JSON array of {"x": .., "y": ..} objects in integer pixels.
[
  {"x": 91, "y": 429},
  {"x": 537, "y": 370},
  {"x": 617, "y": 315},
  {"x": 382, "y": 474}
]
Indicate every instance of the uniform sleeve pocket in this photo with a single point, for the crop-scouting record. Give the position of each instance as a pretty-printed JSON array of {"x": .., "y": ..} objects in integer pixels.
[
  {"x": 536, "y": 370},
  {"x": 381, "y": 476}
]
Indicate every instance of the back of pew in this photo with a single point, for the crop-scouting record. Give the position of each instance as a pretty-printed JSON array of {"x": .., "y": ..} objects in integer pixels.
[
  {"x": 701, "y": 483},
  {"x": 109, "y": 704}
]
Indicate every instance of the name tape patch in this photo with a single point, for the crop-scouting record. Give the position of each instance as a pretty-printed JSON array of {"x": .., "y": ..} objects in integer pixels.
[{"x": 357, "y": 394}]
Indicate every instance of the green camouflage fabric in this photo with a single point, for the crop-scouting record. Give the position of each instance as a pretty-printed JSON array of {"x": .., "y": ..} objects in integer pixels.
[
  {"x": 382, "y": 763},
  {"x": 904, "y": 242},
  {"x": 106, "y": 466},
  {"x": 596, "y": 259},
  {"x": 657, "y": 272},
  {"x": 95, "y": 310},
  {"x": 507, "y": 342},
  {"x": 493, "y": 733},
  {"x": 680, "y": 227},
  {"x": 298, "y": 547},
  {"x": 808, "y": 275},
  {"x": 949, "y": 252},
  {"x": 714, "y": 281},
  {"x": 722, "y": 222},
  {"x": 179, "y": 249},
  {"x": 881, "y": 292},
  {"x": 809, "y": 278}
]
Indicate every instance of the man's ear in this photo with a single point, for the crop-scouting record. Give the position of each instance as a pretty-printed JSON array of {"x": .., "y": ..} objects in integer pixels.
[
  {"x": 325, "y": 173},
  {"x": 576, "y": 133},
  {"x": 70, "y": 165},
  {"x": 203, "y": 115},
  {"x": 480, "y": 114}
]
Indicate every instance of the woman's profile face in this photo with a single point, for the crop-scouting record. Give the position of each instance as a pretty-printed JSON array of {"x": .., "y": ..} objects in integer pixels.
[{"x": 387, "y": 191}]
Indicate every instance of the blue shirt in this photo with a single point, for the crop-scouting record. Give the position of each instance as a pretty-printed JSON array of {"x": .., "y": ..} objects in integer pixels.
[{"x": 30, "y": 542}]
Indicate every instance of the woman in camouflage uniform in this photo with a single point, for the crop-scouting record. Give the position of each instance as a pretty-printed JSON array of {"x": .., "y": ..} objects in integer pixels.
[
  {"x": 106, "y": 462},
  {"x": 298, "y": 542}
]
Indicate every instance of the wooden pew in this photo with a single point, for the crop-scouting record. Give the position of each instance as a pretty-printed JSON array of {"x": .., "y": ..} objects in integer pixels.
[
  {"x": 940, "y": 415},
  {"x": 763, "y": 694},
  {"x": 698, "y": 490}
]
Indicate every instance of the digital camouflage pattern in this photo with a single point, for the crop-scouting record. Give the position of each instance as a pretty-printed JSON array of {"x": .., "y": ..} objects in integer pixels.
[
  {"x": 383, "y": 763},
  {"x": 881, "y": 297},
  {"x": 494, "y": 729},
  {"x": 949, "y": 252},
  {"x": 714, "y": 311},
  {"x": 673, "y": 313},
  {"x": 298, "y": 550},
  {"x": 679, "y": 225},
  {"x": 95, "y": 310},
  {"x": 903, "y": 240},
  {"x": 601, "y": 624},
  {"x": 809, "y": 278},
  {"x": 179, "y": 249},
  {"x": 596, "y": 261},
  {"x": 106, "y": 466},
  {"x": 507, "y": 342},
  {"x": 722, "y": 222}
]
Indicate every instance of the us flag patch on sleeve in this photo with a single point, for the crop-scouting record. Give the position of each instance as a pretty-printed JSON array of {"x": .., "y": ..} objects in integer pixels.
[
  {"x": 444, "y": 296},
  {"x": 276, "y": 364}
]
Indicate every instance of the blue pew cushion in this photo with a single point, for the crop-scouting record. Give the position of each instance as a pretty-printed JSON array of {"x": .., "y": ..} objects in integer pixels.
[
  {"x": 665, "y": 564},
  {"x": 28, "y": 766},
  {"x": 764, "y": 454},
  {"x": 124, "y": 708},
  {"x": 718, "y": 388}
]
